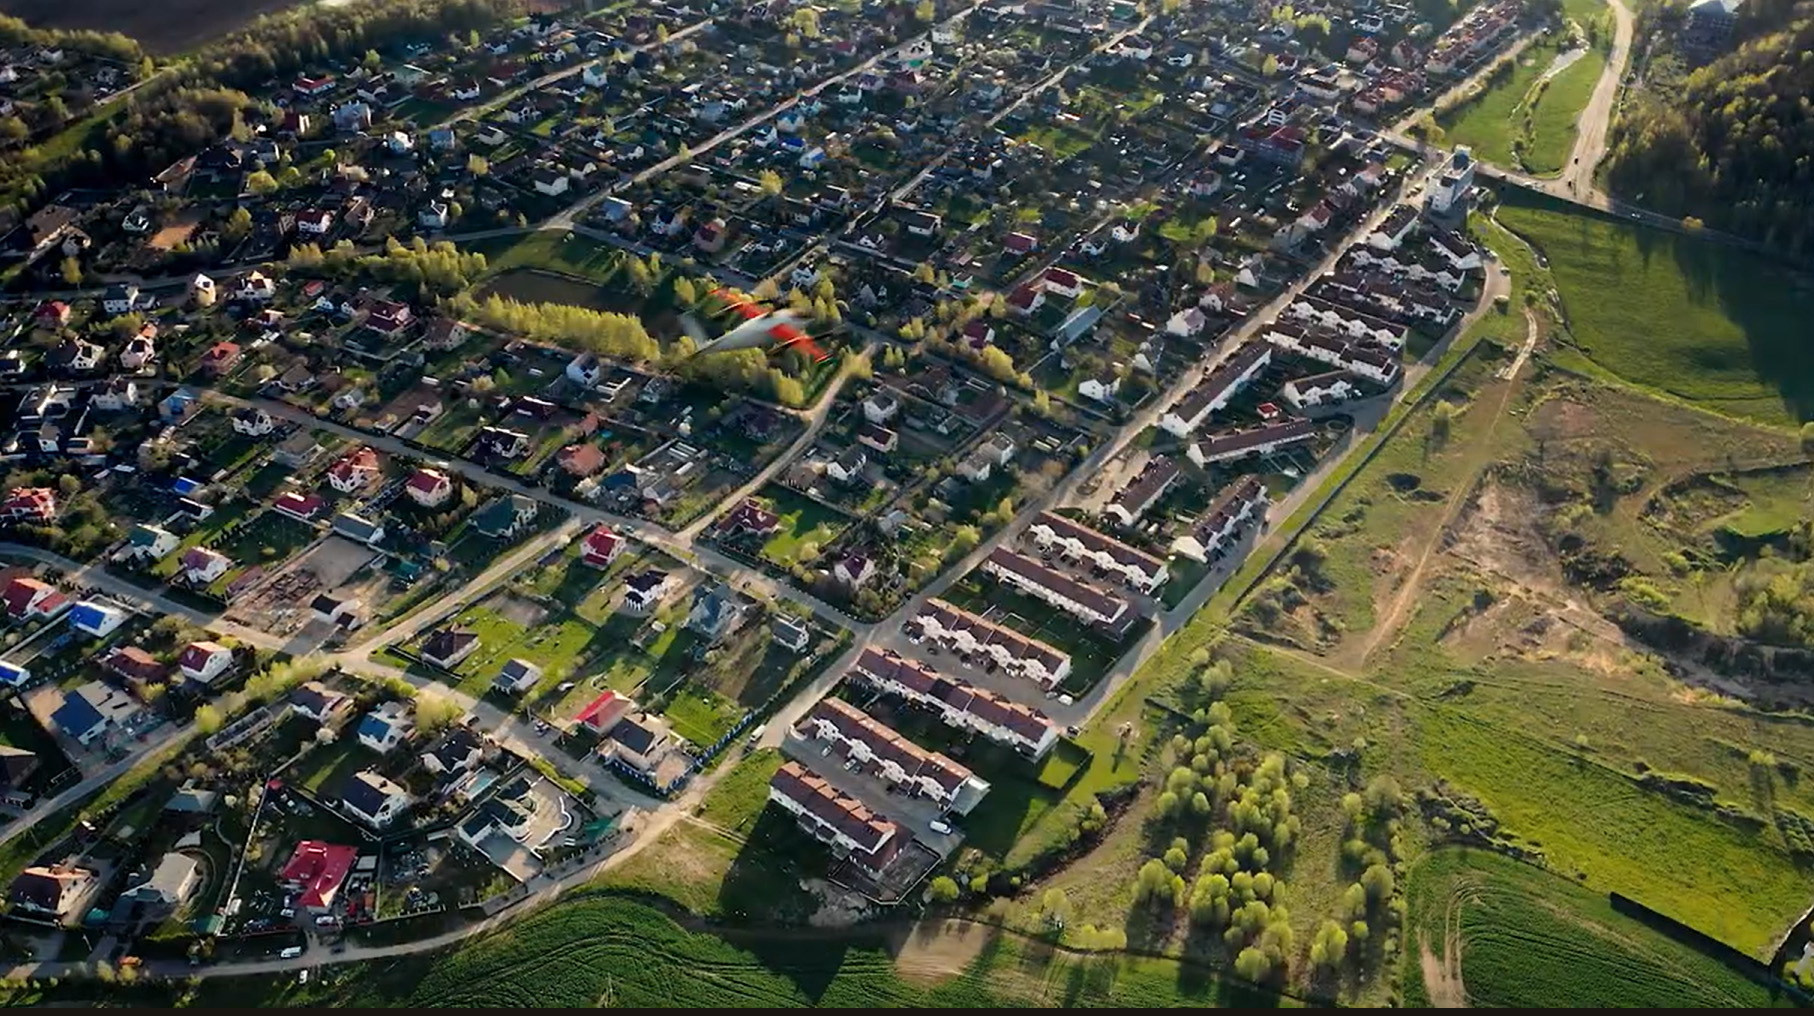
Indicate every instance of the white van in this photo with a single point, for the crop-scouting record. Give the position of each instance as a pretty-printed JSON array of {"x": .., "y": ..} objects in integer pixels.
[{"x": 290, "y": 953}]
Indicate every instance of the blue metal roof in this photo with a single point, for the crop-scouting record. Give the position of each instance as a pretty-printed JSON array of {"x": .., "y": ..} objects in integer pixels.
[
  {"x": 183, "y": 485},
  {"x": 88, "y": 615},
  {"x": 77, "y": 715},
  {"x": 12, "y": 674},
  {"x": 375, "y": 727}
]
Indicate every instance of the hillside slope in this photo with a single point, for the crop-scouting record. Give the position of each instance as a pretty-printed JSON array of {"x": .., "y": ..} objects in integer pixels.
[{"x": 1733, "y": 144}]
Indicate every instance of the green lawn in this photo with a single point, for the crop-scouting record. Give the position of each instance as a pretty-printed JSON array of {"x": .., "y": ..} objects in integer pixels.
[
  {"x": 204, "y": 535},
  {"x": 701, "y": 715},
  {"x": 1553, "y": 130},
  {"x": 559, "y": 644},
  {"x": 568, "y": 253},
  {"x": 1529, "y": 940},
  {"x": 806, "y": 527},
  {"x": 279, "y": 534},
  {"x": 1720, "y": 328},
  {"x": 327, "y": 767},
  {"x": 734, "y": 801},
  {"x": 1491, "y": 121}
]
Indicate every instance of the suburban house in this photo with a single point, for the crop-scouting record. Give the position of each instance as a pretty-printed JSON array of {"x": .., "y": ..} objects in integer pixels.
[
  {"x": 315, "y": 872},
  {"x": 1073, "y": 596},
  {"x": 790, "y": 633},
  {"x": 836, "y": 819},
  {"x": 645, "y": 590},
  {"x": 135, "y": 665},
  {"x": 881, "y": 750},
  {"x": 1131, "y": 503},
  {"x": 95, "y": 619},
  {"x": 203, "y": 662},
  {"x": 1215, "y": 531},
  {"x": 374, "y": 799},
  {"x": 970, "y": 634},
  {"x": 220, "y": 358},
  {"x": 203, "y": 565},
  {"x": 167, "y": 886},
  {"x": 355, "y": 471},
  {"x": 358, "y": 529},
  {"x": 448, "y": 647},
  {"x": 253, "y": 422},
  {"x": 318, "y": 702},
  {"x": 337, "y": 611},
  {"x": 30, "y": 505},
  {"x": 506, "y": 516},
  {"x": 430, "y": 488},
  {"x": 601, "y": 546},
  {"x": 386, "y": 727},
  {"x": 958, "y": 703},
  {"x": 147, "y": 543},
  {"x": 639, "y": 741},
  {"x": 299, "y": 506},
  {"x": 854, "y": 569},
  {"x": 93, "y": 710},
  {"x": 54, "y": 893},
  {"x": 516, "y": 677},
  {"x": 1078, "y": 543},
  {"x": 28, "y": 599},
  {"x": 460, "y": 751},
  {"x": 715, "y": 611}
]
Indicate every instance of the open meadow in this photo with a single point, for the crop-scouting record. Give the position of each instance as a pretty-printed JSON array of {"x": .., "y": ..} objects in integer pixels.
[
  {"x": 1485, "y": 930},
  {"x": 1717, "y": 327}
]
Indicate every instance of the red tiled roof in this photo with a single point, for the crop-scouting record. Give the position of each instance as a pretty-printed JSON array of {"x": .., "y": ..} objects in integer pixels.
[{"x": 318, "y": 868}]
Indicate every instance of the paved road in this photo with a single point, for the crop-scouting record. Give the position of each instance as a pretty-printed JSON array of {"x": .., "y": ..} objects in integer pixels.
[{"x": 1596, "y": 119}]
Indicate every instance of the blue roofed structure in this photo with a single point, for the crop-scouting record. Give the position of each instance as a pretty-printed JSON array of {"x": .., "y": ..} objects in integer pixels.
[
  {"x": 12, "y": 675},
  {"x": 96, "y": 619}
]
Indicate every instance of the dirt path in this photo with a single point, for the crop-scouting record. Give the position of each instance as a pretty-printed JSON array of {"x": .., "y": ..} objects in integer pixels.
[
  {"x": 1442, "y": 976},
  {"x": 1457, "y": 501}
]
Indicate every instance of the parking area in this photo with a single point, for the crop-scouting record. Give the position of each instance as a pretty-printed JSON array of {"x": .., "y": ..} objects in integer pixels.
[{"x": 913, "y": 813}]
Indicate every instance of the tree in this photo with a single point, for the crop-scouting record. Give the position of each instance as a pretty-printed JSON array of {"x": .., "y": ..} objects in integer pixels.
[
  {"x": 770, "y": 182},
  {"x": 436, "y": 712},
  {"x": 208, "y": 718},
  {"x": 1378, "y": 882},
  {"x": 1807, "y": 438},
  {"x": 661, "y": 33},
  {"x": 1270, "y": 66},
  {"x": 478, "y": 165},
  {"x": 1055, "y": 907},
  {"x": 372, "y": 62},
  {"x": 1253, "y": 964},
  {"x": 260, "y": 183},
  {"x": 943, "y": 889},
  {"x": 860, "y": 365},
  {"x": 925, "y": 11},
  {"x": 13, "y": 129},
  {"x": 922, "y": 272},
  {"x": 685, "y": 293},
  {"x": 72, "y": 271},
  {"x": 1329, "y": 947}
]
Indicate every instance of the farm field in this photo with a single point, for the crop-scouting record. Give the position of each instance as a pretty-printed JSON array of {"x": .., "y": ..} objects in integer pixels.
[
  {"x": 1716, "y": 327},
  {"x": 621, "y": 953},
  {"x": 166, "y": 28},
  {"x": 1527, "y": 939}
]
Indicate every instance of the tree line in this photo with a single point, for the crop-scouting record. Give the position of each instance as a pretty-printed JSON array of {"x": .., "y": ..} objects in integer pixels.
[{"x": 1731, "y": 143}]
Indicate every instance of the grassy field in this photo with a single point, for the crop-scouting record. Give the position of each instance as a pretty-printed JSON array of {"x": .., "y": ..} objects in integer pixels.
[
  {"x": 700, "y": 715},
  {"x": 558, "y": 644},
  {"x": 1553, "y": 121},
  {"x": 806, "y": 527},
  {"x": 568, "y": 253},
  {"x": 1528, "y": 939},
  {"x": 1491, "y": 122},
  {"x": 617, "y": 953},
  {"x": 1525, "y": 118},
  {"x": 1716, "y": 327},
  {"x": 735, "y": 801}
]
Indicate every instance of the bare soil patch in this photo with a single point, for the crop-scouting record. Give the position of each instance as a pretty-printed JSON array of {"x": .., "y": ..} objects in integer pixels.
[
  {"x": 934, "y": 951},
  {"x": 518, "y": 610},
  {"x": 177, "y": 232}
]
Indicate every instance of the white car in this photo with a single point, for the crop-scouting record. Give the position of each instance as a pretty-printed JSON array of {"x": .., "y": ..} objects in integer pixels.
[{"x": 940, "y": 826}]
